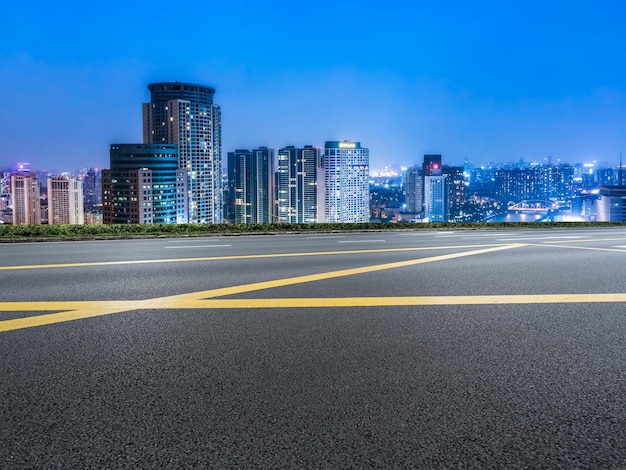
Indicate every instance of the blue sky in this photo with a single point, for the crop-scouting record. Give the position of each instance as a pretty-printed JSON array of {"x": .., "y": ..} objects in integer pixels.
[{"x": 477, "y": 80}]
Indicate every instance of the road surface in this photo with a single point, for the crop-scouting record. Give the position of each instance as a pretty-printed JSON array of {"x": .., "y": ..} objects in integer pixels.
[{"x": 456, "y": 349}]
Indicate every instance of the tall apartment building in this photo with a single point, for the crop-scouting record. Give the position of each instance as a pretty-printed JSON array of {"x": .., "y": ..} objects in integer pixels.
[
  {"x": 25, "y": 194},
  {"x": 184, "y": 114},
  {"x": 518, "y": 184},
  {"x": 557, "y": 181},
  {"x": 143, "y": 185},
  {"x": 548, "y": 182},
  {"x": 92, "y": 188},
  {"x": 435, "y": 198},
  {"x": 435, "y": 191},
  {"x": 65, "y": 201},
  {"x": 414, "y": 190},
  {"x": 297, "y": 184},
  {"x": 455, "y": 183},
  {"x": 344, "y": 195},
  {"x": 123, "y": 196},
  {"x": 250, "y": 186}
]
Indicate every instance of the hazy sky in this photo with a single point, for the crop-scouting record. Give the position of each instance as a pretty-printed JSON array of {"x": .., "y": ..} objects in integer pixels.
[{"x": 478, "y": 80}]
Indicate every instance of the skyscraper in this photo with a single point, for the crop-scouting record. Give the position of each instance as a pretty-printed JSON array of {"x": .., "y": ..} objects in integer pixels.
[
  {"x": 184, "y": 114},
  {"x": 456, "y": 191},
  {"x": 65, "y": 200},
  {"x": 92, "y": 188},
  {"x": 344, "y": 194},
  {"x": 297, "y": 184},
  {"x": 25, "y": 194},
  {"x": 250, "y": 186},
  {"x": 414, "y": 188},
  {"x": 141, "y": 186},
  {"x": 435, "y": 199}
]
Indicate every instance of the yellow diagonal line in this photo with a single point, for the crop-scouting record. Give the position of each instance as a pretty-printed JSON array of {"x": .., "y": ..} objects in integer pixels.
[
  {"x": 237, "y": 257},
  {"x": 588, "y": 248},
  {"x": 60, "y": 317},
  {"x": 174, "y": 299},
  {"x": 591, "y": 240}
]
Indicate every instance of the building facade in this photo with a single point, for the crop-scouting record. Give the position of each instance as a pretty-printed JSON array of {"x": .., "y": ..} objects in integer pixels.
[
  {"x": 297, "y": 184},
  {"x": 414, "y": 190},
  {"x": 25, "y": 195},
  {"x": 435, "y": 199},
  {"x": 455, "y": 183},
  {"x": 184, "y": 114},
  {"x": 343, "y": 195},
  {"x": 251, "y": 186},
  {"x": 611, "y": 206},
  {"x": 123, "y": 196},
  {"x": 65, "y": 201},
  {"x": 142, "y": 186},
  {"x": 92, "y": 188}
]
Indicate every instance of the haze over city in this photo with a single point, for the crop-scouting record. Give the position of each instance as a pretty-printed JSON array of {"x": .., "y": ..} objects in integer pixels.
[{"x": 477, "y": 81}]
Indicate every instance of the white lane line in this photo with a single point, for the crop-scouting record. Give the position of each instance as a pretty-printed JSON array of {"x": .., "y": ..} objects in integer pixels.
[
  {"x": 540, "y": 238},
  {"x": 361, "y": 241},
  {"x": 191, "y": 240},
  {"x": 197, "y": 246},
  {"x": 323, "y": 237},
  {"x": 623, "y": 247}
]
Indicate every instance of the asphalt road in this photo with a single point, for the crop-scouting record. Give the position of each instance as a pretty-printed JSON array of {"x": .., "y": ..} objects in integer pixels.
[{"x": 442, "y": 350}]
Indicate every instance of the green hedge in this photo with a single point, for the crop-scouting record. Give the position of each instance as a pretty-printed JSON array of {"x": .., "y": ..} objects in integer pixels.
[{"x": 131, "y": 230}]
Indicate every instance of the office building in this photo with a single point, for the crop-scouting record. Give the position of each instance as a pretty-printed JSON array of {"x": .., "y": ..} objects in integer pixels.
[
  {"x": 611, "y": 206},
  {"x": 25, "y": 195},
  {"x": 343, "y": 195},
  {"x": 143, "y": 185},
  {"x": 92, "y": 188},
  {"x": 435, "y": 199},
  {"x": 251, "y": 186},
  {"x": 184, "y": 114},
  {"x": 518, "y": 184},
  {"x": 123, "y": 196},
  {"x": 414, "y": 190},
  {"x": 65, "y": 201},
  {"x": 297, "y": 184},
  {"x": 455, "y": 183}
]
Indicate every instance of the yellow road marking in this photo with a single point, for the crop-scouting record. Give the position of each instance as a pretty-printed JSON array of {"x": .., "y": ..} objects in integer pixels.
[
  {"x": 591, "y": 240},
  {"x": 401, "y": 301},
  {"x": 79, "y": 310},
  {"x": 590, "y": 248},
  {"x": 174, "y": 299},
  {"x": 108, "y": 308},
  {"x": 68, "y": 311},
  {"x": 236, "y": 257}
]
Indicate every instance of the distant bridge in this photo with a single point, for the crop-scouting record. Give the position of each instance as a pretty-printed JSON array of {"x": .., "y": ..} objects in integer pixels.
[{"x": 533, "y": 205}]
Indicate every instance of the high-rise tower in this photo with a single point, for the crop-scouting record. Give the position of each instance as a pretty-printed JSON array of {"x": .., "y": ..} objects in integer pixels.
[
  {"x": 250, "y": 186},
  {"x": 297, "y": 184},
  {"x": 184, "y": 114},
  {"x": 65, "y": 200},
  {"x": 25, "y": 195},
  {"x": 435, "y": 189},
  {"x": 414, "y": 188},
  {"x": 345, "y": 190}
]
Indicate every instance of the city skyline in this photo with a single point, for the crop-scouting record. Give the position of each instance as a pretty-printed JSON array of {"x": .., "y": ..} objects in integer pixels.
[{"x": 478, "y": 81}]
